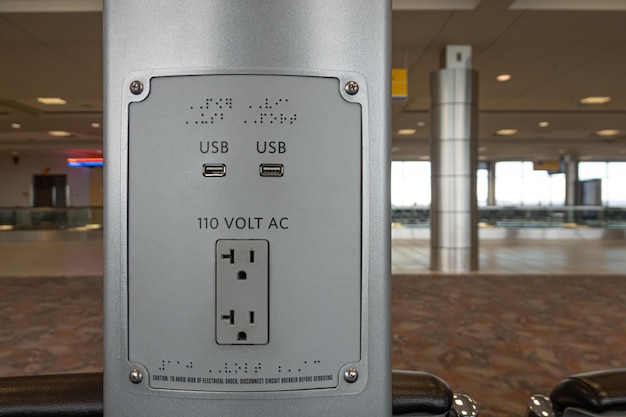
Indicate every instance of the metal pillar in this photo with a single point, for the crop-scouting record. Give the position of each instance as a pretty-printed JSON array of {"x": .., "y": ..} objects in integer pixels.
[
  {"x": 454, "y": 211},
  {"x": 491, "y": 183},
  {"x": 209, "y": 89},
  {"x": 570, "y": 163}
]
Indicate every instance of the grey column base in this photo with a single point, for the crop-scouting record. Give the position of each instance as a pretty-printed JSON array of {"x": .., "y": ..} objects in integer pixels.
[{"x": 454, "y": 259}]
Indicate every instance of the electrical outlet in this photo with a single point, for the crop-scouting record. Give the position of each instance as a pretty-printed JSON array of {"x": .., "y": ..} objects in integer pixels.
[
  {"x": 242, "y": 299},
  {"x": 238, "y": 141},
  {"x": 240, "y": 185}
]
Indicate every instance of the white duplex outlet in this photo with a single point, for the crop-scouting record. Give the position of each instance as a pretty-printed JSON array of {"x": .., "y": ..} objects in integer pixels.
[{"x": 241, "y": 292}]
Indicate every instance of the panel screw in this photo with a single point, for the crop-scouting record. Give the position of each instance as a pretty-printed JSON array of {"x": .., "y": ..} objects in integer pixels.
[
  {"x": 136, "y": 87},
  {"x": 352, "y": 87},
  {"x": 135, "y": 376},
  {"x": 351, "y": 375}
]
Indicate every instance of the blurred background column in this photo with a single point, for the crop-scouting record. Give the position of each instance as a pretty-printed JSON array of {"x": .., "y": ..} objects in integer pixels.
[
  {"x": 491, "y": 178},
  {"x": 570, "y": 167},
  {"x": 454, "y": 211}
]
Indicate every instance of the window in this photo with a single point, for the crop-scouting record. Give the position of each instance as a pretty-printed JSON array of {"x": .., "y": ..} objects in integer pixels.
[
  {"x": 410, "y": 183},
  {"x": 482, "y": 186},
  {"x": 616, "y": 184},
  {"x": 519, "y": 184},
  {"x": 613, "y": 177}
]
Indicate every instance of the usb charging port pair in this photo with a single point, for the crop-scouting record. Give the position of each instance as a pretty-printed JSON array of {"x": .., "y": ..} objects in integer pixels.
[{"x": 265, "y": 170}]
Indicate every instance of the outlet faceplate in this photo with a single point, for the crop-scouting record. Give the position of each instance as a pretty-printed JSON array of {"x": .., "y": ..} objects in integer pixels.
[
  {"x": 285, "y": 154},
  {"x": 241, "y": 292}
]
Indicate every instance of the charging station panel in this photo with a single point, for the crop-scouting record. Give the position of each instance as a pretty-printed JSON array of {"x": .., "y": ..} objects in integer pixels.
[{"x": 242, "y": 278}]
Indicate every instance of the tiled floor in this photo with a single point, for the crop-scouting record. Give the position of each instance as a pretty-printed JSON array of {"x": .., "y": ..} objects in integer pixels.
[
  {"x": 51, "y": 259},
  {"x": 523, "y": 256},
  {"x": 538, "y": 311}
]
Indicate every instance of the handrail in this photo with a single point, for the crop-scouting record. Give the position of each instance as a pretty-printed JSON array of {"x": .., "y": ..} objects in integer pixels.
[
  {"x": 525, "y": 216},
  {"x": 91, "y": 217},
  {"x": 50, "y": 218}
]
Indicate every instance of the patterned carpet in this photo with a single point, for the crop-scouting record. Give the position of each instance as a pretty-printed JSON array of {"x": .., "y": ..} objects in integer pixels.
[
  {"x": 501, "y": 338},
  {"x": 497, "y": 338},
  {"x": 50, "y": 325}
]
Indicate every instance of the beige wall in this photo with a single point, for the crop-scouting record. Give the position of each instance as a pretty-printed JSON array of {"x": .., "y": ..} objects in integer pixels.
[
  {"x": 16, "y": 179},
  {"x": 96, "y": 186}
]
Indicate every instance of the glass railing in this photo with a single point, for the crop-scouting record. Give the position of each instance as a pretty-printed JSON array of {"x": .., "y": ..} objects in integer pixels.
[
  {"x": 89, "y": 218},
  {"x": 526, "y": 216},
  {"x": 48, "y": 218}
]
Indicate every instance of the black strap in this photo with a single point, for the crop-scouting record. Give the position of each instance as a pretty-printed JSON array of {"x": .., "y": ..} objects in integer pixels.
[
  {"x": 69, "y": 395},
  {"x": 419, "y": 392},
  {"x": 594, "y": 391},
  {"x": 80, "y": 395}
]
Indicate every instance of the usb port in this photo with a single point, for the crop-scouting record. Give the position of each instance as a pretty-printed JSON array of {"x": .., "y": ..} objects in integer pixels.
[
  {"x": 214, "y": 170},
  {"x": 271, "y": 170}
]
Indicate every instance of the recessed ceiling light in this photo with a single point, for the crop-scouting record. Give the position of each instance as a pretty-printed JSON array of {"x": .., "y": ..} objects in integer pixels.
[
  {"x": 506, "y": 132},
  {"x": 51, "y": 100},
  {"x": 595, "y": 100},
  {"x": 544, "y": 124},
  {"x": 406, "y": 131},
  {"x": 503, "y": 77},
  {"x": 424, "y": 158},
  {"x": 95, "y": 125},
  {"x": 482, "y": 158},
  {"x": 421, "y": 124},
  {"x": 607, "y": 132},
  {"x": 59, "y": 133},
  {"x": 15, "y": 125}
]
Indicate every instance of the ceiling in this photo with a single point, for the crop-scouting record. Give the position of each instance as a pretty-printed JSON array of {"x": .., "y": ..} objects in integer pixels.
[{"x": 556, "y": 51}]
